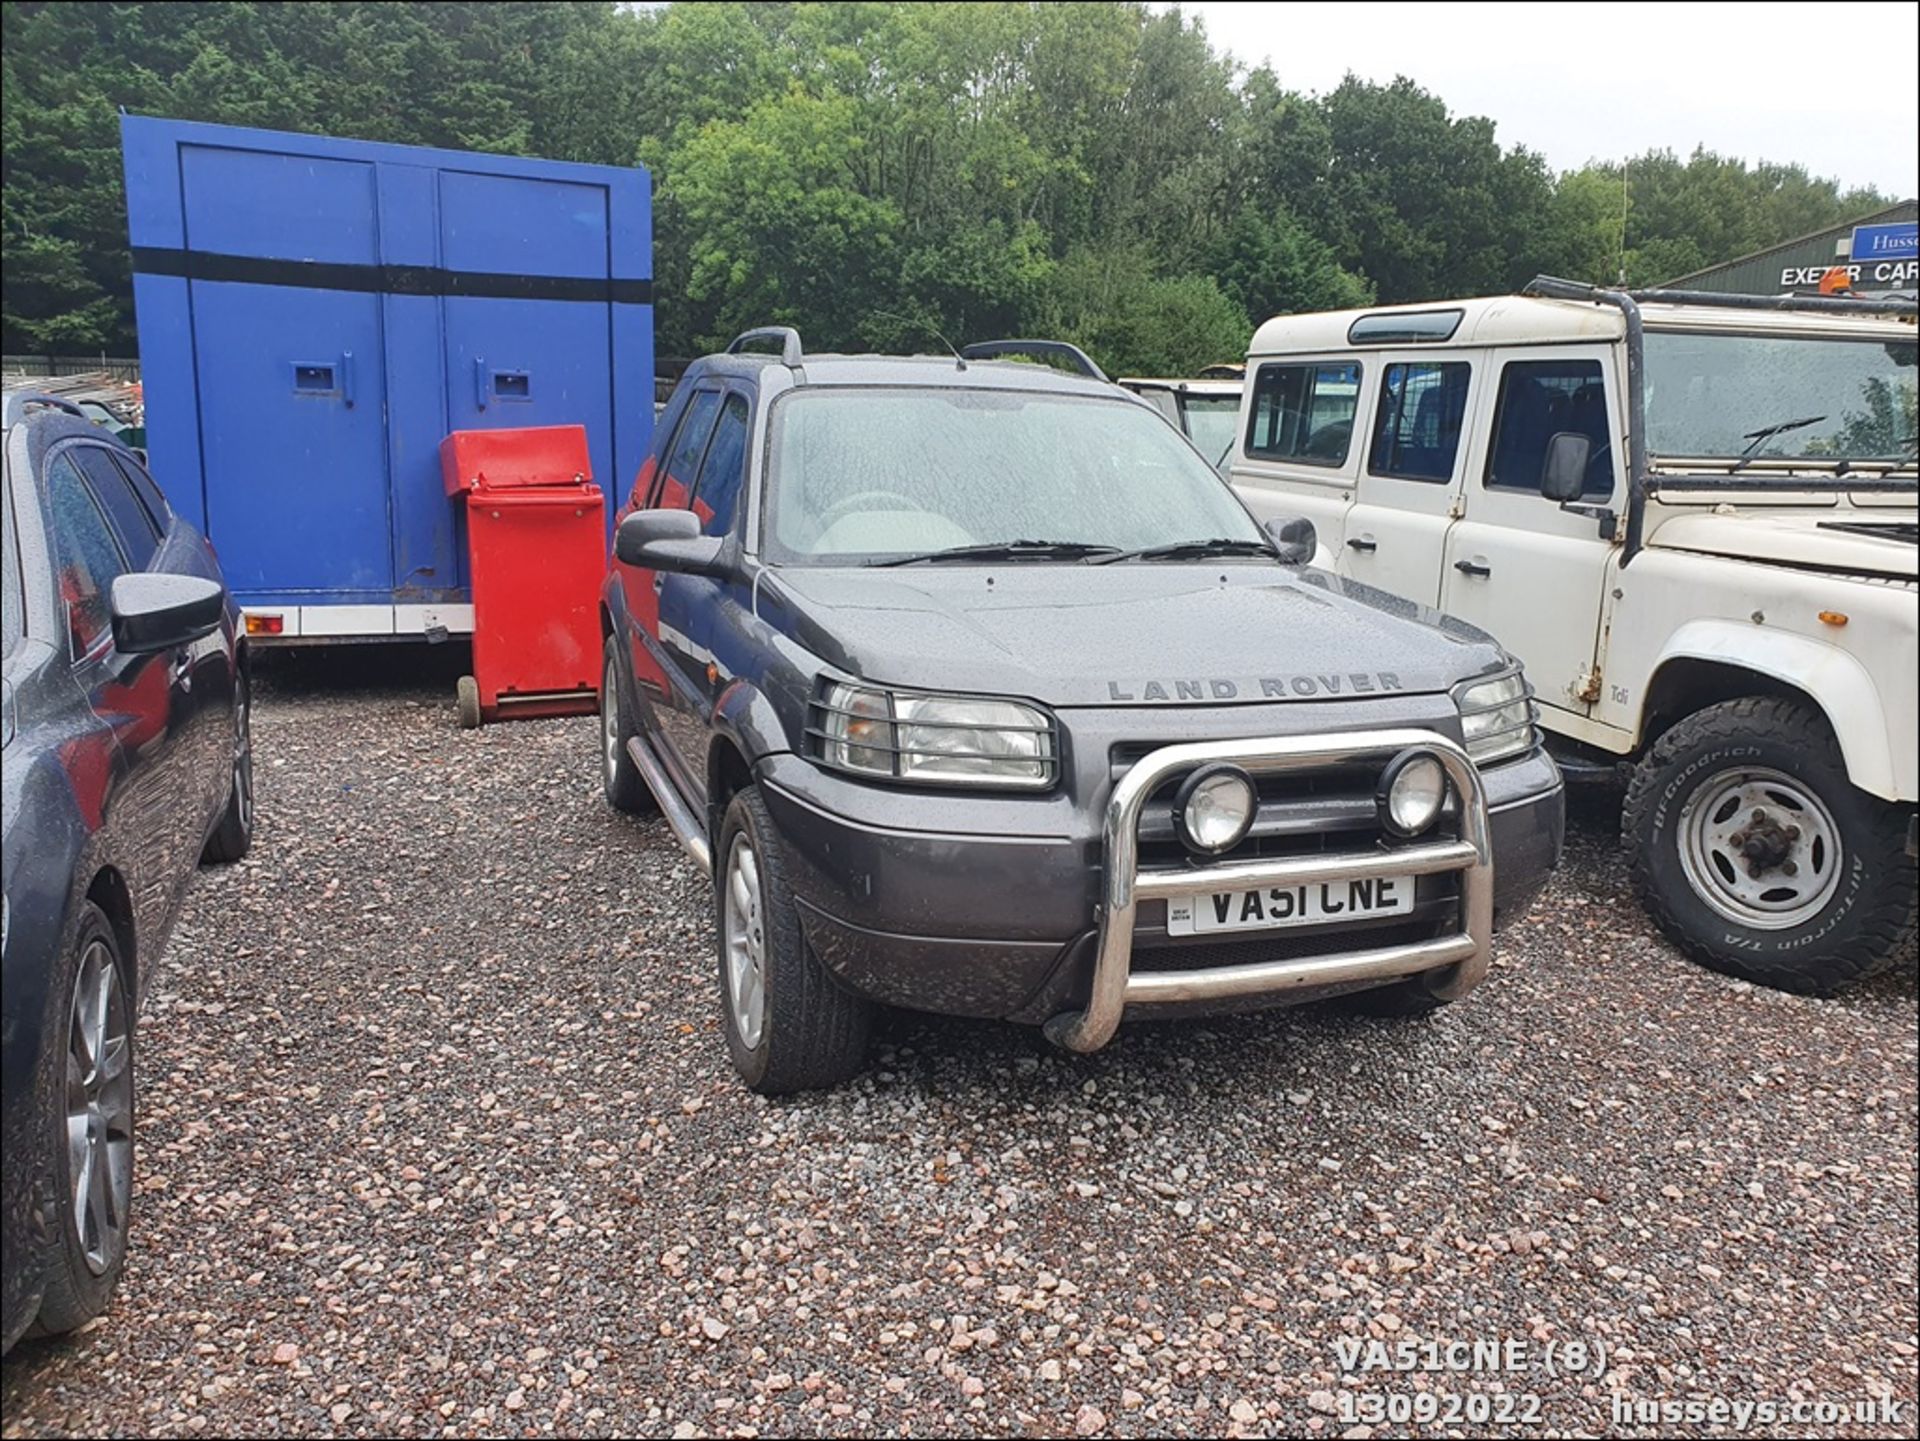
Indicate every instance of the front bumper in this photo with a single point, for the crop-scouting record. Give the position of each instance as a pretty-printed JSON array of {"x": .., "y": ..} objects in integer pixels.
[
  {"x": 1467, "y": 950},
  {"x": 1010, "y": 910}
]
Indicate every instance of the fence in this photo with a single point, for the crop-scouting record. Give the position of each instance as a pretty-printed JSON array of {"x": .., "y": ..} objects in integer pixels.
[{"x": 123, "y": 368}]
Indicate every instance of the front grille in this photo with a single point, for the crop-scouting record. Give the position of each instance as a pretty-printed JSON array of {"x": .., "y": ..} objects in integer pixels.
[
  {"x": 1302, "y": 813},
  {"x": 1290, "y": 946}
]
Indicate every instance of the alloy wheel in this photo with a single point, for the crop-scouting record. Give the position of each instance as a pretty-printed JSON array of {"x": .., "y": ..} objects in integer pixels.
[{"x": 100, "y": 1107}]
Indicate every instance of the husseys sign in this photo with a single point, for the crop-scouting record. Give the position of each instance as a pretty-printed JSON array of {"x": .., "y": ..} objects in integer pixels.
[{"x": 1882, "y": 257}]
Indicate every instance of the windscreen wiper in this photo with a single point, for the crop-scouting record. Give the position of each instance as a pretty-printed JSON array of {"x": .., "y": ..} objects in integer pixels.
[
  {"x": 1004, "y": 550},
  {"x": 1191, "y": 550},
  {"x": 1765, "y": 433}
]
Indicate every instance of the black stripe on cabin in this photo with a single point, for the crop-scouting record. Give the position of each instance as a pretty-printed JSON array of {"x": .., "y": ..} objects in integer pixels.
[{"x": 384, "y": 279}]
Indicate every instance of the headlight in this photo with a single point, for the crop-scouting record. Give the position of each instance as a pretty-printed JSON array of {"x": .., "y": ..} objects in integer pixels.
[
  {"x": 1496, "y": 716},
  {"x": 1215, "y": 806},
  {"x": 935, "y": 739},
  {"x": 1412, "y": 792}
]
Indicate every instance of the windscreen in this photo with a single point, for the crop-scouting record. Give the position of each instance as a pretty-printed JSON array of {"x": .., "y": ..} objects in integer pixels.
[
  {"x": 870, "y": 473},
  {"x": 1823, "y": 398}
]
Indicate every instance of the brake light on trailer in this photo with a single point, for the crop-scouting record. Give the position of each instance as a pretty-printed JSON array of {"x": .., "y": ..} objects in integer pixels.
[{"x": 265, "y": 624}]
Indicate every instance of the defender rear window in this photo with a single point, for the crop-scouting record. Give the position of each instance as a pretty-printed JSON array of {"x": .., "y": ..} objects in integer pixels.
[
  {"x": 1304, "y": 413},
  {"x": 1421, "y": 411}
]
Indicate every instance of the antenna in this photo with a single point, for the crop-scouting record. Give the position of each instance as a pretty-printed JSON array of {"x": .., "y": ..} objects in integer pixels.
[
  {"x": 1626, "y": 171},
  {"x": 928, "y": 326}
]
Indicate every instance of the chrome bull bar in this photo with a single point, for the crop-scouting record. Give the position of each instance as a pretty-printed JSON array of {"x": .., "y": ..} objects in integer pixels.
[{"x": 1115, "y": 985}]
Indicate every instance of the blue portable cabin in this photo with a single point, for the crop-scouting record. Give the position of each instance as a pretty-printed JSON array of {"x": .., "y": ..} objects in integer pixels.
[{"x": 315, "y": 314}]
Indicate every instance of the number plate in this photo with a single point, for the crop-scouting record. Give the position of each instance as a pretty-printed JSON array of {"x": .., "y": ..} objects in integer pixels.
[{"x": 1314, "y": 904}]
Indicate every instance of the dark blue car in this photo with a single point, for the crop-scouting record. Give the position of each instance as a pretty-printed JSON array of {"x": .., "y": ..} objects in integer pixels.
[{"x": 127, "y": 761}]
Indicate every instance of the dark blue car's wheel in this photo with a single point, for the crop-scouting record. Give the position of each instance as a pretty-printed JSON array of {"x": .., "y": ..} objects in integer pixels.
[{"x": 90, "y": 1129}]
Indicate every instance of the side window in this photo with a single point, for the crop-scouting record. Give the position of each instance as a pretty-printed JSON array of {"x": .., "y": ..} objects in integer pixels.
[
  {"x": 139, "y": 538},
  {"x": 674, "y": 487},
  {"x": 718, "y": 495},
  {"x": 149, "y": 493},
  {"x": 1417, "y": 433},
  {"x": 1304, "y": 412},
  {"x": 85, "y": 552},
  {"x": 1538, "y": 400}
]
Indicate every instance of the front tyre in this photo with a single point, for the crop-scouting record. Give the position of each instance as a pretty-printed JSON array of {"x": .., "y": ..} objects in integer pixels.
[
  {"x": 89, "y": 1129},
  {"x": 790, "y": 1025},
  {"x": 1758, "y": 857}
]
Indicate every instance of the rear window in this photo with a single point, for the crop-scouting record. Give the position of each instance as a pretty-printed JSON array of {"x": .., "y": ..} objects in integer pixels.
[{"x": 1304, "y": 413}]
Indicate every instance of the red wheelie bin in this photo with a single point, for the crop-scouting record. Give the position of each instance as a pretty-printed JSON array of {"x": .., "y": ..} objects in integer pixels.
[{"x": 536, "y": 552}]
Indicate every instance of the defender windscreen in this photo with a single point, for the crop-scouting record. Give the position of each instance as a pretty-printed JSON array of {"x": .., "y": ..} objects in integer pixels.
[{"x": 1819, "y": 398}]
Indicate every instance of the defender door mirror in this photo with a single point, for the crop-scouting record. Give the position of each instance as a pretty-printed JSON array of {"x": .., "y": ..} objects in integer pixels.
[
  {"x": 667, "y": 540},
  {"x": 1564, "y": 475},
  {"x": 156, "y": 611},
  {"x": 1293, "y": 537}
]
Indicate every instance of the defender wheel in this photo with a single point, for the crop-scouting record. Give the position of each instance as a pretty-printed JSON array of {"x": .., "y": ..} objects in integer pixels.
[
  {"x": 234, "y": 836},
  {"x": 1758, "y": 857},
  {"x": 790, "y": 1025},
  {"x": 466, "y": 696},
  {"x": 89, "y": 1128},
  {"x": 626, "y": 789}
]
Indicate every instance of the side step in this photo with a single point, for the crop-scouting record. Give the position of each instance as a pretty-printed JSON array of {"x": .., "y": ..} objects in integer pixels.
[{"x": 686, "y": 828}]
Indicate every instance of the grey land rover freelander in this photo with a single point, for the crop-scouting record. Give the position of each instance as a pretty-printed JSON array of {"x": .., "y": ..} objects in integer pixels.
[{"x": 977, "y": 691}]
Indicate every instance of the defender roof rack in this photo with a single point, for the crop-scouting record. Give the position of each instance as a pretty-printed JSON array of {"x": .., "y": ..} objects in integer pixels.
[
  {"x": 1551, "y": 287},
  {"x": 1077, "y": 358}
]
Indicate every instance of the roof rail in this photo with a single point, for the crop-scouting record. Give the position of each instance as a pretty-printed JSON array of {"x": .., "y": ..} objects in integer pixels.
[
  {"x": 791, "y": 352},
  {"x": 1554, "y": 288},
  {"x": 19, "y": 400},
  {"x": 1037, "y": 350}
]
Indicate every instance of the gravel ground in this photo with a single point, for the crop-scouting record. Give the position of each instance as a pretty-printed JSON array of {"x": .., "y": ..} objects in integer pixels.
[{"x": 437, "y": 1135}]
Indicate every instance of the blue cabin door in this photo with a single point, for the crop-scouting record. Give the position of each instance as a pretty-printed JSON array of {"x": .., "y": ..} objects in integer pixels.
[
  {"x": 528, "y": 325},
  {"x": 290, "y": 372}
]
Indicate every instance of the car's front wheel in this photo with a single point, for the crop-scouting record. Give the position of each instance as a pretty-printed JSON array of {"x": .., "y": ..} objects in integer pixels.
[
  {"x": 89, "y": 1128},
  {"x": 790, "y": 1025},
  {"x": 1758, "y": 857}
]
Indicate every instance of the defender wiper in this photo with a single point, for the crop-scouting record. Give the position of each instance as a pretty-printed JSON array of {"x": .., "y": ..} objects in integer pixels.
[
  {"x": 1765, "y": 433},
  {"x": 1004, "y": 550},
  {"x": 1191, "y": 550}
]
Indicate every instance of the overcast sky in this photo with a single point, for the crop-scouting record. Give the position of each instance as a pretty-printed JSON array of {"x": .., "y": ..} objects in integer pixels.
[{"x": 1832, "y": 88}]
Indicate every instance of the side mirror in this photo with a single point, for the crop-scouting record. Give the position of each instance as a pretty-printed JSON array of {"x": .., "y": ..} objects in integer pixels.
[
  {"x": 155, "y": 611},
  {"x": 1563, "y": 476},
  {"x": 668, "y": 540},
  {"x": 1293, "y": 537}
]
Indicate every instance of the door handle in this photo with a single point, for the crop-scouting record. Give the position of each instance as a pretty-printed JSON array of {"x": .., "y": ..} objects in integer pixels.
[
  {"x": 479, "y": 382},
  {"x": 1355, "y": 542},
  {"x": 1472, "y": 567},
  {"x": 346, "y": 378}
]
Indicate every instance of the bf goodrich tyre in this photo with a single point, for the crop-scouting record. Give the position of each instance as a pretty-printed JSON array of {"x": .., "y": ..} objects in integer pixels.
[
  {"x": 89, "y": 1128},
  {"x": 625, "y": 788},
  {"x": 1758, "y": 857},
  {"x": 790, "y": 1025}
]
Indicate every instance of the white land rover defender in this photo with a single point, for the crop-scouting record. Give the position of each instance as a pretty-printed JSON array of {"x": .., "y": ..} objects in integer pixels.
[{"x": 1693, "y": 518}]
